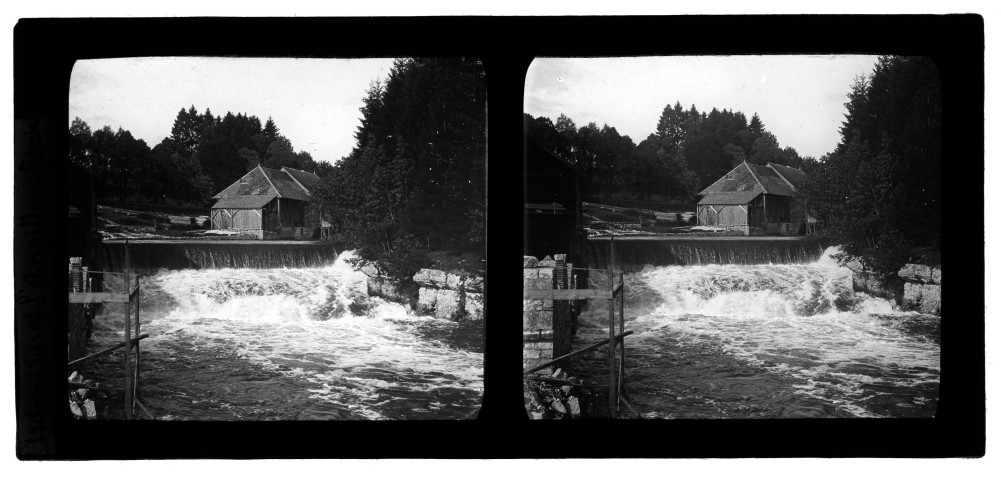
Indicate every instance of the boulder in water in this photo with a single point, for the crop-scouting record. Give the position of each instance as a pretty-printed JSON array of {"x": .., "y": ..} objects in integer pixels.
[
  {"x": 89, "y": 409},
  {"x": 574, "y": 405},
  {"x": 75, "y": 409}
]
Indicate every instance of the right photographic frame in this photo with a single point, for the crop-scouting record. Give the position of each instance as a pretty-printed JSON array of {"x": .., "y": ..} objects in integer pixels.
[{"x": 732, "y": 237}]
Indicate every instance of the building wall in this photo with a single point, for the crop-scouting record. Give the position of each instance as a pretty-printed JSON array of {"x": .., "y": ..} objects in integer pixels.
[
  {"x": 722, "y": 215},
  {"x": 236, "y": 219}
]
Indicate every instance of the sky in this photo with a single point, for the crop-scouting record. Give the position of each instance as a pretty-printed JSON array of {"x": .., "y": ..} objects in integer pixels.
[
  {"x": 314, "y": 102},
  {"x": 799, "y": 98}
]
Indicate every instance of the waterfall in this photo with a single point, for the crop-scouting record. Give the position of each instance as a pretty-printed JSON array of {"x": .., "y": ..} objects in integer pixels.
[
  {"x": 148, "y": 257},
  {"x": 633, "y": 254}
]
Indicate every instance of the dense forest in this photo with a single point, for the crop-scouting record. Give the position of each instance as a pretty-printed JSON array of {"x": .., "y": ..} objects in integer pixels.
[
  {"x": 203, "y": 155},
  {"x": 414, "y": 182},
  {"x": 688, "y": 151},
  {"x": 879, "y": 192}
]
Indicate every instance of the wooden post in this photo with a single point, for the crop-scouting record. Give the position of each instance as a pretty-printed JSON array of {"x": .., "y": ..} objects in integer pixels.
[
  {"x": 764, "y": 209},
  {"x": 622, "y": 328},
  {"x": 611, "y": 256},
  {"x": 128, "y": 337},
  {"x": 612, "y": 389},
  {"x": 575, "y": 352},
  {"x": 135, "y": 384}
]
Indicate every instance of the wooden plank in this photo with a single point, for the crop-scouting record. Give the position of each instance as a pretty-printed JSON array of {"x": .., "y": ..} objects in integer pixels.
[
  {"x": 569, "y": 294},
  {"x": 622, "y": 328},
  {"x": 612, "y": 392},
  {"x": 98, "y": 297},
  {"x": 557, "y": 381},
  {"x": 127, "y": 358},
  {"x": 106, "y": 350},
  {"x": 588, "y": 348}
]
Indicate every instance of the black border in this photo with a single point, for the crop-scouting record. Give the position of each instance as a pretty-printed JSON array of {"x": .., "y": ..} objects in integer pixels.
[{"x": 44, "y": 52}]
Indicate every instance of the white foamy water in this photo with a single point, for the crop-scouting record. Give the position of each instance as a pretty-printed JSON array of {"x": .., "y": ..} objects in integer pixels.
[
  {"x": 366, "y": 356},
  {"x": 801, "y": 321}
]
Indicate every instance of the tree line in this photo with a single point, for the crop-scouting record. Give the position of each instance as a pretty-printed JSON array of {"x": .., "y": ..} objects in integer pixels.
[
  {"x": 203, "y": 155},
  {"x": 879, "y": 192},
  {"x": 687, "y": 151},
  {"x": 415, "y": 181}
]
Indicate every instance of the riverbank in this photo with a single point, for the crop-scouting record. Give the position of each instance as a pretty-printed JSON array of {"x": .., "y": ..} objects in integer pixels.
[{"x": 438, "y": 293}]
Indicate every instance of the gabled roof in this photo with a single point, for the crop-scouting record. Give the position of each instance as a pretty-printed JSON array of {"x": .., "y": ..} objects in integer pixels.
[
  {"x": 286, "y": 185},
  {"x": 792, "y": 175},
  {"x": 740, "y": 179},
  {"x": 244, "y": 201},
  {"x": 748, "y": 178},
  {"x": 771, "y": 181},
  {"x": 305, "y": 179},
  {"x": 729, "y": 198},
  {"x": 260, "y": 185}
]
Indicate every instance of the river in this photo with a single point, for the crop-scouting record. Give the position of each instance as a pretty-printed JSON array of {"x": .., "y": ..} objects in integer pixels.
[
  {"x": 767, "y": 341},
  {"x": 291, "y": 344}
]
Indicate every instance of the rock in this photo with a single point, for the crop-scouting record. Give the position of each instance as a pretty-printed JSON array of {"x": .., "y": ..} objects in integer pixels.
[
  {"x": 557, "y": 373},
  {"x": 82, "y": 392},
  {"x": 574, "y": 405},
  {"x": 473, "y": 284},
  {"x": 913, "y": 272},
  {"x": 370, "y": 269},
  {"x": 923, "y": 298},
  {"x": 878, "y": 285},
  {"x": 427, "y": 277},
  {"x": 855, "y": 265},
  {"x": 533, "y": 399},
  {"x": 566, "y": 389},
  {"x": 90, "y": 410},
  {"x": 75, "y": 409},
  {"x": 76, "y": 377},
  {"x": 453, "y": 282},
  {"x": 931, "y": 299},
  {"x": 474, "y": 306},
  {"x": 530, "y": 262},
  {"x": 439, "y": 303},
  {"x": 535, "y": 415},
  {"x": 936, "y": 275},
  {"x": 912, "y": 296},
  {"x": 558, "y": 406}
]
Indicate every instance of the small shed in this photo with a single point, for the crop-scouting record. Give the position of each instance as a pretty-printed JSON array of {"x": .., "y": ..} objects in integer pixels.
[
  {"x": 268, "y": 203},
  {"x": 754, "y": 199}
]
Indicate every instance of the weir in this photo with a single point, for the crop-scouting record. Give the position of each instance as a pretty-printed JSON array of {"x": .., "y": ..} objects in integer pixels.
[
  {"x": 634, "y": 253},
  {"x": 149, "y": 256}
]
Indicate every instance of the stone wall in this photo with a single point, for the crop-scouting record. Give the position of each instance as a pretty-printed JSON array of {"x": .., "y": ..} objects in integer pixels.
[
  {"x": 923, "y": 288},
  {"x": 547, "y": 325},
  {"x": 537, "y": 316},
  {"x": 865, "y": 280},
  {"x": 433, "y": 292},
  {"x": 449, "y": 296},
  {"x": 914, "y": 287}
]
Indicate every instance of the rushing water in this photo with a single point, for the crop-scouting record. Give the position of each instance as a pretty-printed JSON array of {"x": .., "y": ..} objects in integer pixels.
[
  {"x": 283, "y": 344},
  {"x": 766, "y": 341}
]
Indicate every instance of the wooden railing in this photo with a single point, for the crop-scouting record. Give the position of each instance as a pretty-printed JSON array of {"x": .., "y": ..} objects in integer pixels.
[{"x": 128, "y": 295}]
